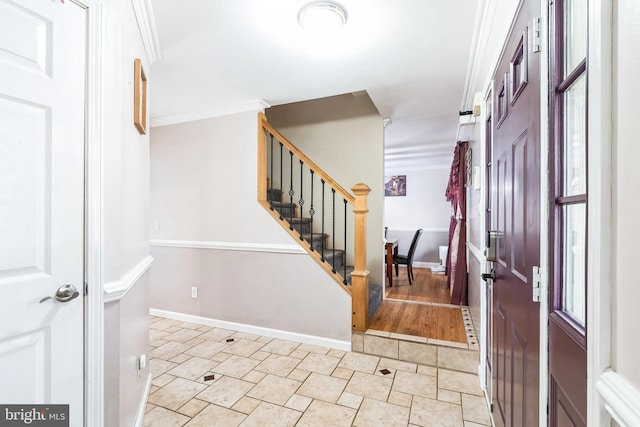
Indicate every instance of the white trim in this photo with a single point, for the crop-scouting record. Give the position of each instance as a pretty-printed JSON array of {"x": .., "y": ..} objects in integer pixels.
[
  {"x": 143, "y": 402},
  {"x": 599, "y": 208},
  {"x": 476, "y": 252},
  {"x": 543, "y": 370},
  {"x": 481, "y": 31},
  {"x": 401, "y": 170},
  {"x": 230, "y": 246},
  {"x": 244, "y": 107},
  {"x": 114, "y": 291},
  {"x": 147, "y": 26},
  {"x": 257, "y": 330},
  {"x": 94, "y": 244},
  {"x": 621, "y": 398},
  {"x": 426, "y": 264},
  {"x": 426, "y": 230},
  {"x": 485, "y": 333}
]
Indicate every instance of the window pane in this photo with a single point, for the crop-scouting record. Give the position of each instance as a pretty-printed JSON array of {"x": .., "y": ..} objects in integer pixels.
[
  {"x": 575, "y": 144},
  {"x": 575, "y": 34},
  {"x": 574, "y": 238}
]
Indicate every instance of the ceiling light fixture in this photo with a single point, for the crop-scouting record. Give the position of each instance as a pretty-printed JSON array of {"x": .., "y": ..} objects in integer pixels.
[{"x": 322, "y": 18}]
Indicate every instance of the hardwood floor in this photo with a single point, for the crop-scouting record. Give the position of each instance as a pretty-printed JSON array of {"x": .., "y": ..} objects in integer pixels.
[
  {"x": 421, "y": 309},
  {"x": 426, "y": 287},
  {"x": 420, "y": 319}
]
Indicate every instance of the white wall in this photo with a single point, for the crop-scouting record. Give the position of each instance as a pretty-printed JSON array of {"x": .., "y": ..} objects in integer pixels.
[
  {"x": 344, "y": 136},
  {"x": 204, "y": 192},
  {"x": 626, "y": 152},
  {"x": 424, "y": 207},
  {"x": 126, "y": 216}
]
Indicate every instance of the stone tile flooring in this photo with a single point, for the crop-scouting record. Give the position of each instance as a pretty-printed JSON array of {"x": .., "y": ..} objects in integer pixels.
[{"x": 262, "y": 381}]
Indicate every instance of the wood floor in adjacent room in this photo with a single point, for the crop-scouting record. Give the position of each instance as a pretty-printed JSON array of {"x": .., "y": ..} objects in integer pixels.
[{"x": 421, "y": 309}]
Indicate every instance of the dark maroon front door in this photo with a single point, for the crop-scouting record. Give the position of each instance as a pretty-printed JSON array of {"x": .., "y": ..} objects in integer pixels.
[{"x": 515, "y": 215}]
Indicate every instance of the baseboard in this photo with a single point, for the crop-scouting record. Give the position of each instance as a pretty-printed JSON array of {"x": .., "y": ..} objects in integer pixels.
[
  {"x": 256, "y": 330},
  {"x": 143, "y": 402},
  {"x": 426, "y": 264}
]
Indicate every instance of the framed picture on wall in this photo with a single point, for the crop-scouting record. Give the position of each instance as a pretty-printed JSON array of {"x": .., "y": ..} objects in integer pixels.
[{"x": 395, "y": 185}]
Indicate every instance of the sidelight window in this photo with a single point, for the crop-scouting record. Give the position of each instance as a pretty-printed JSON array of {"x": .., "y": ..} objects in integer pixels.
[{"x": 570, "y": 112}]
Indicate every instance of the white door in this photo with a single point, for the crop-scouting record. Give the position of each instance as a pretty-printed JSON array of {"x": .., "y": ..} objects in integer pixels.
[{"x": 42, "y": 104}]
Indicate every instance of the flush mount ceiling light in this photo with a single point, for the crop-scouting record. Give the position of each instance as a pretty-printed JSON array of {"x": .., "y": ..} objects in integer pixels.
[{"x": 322, "y": 18}]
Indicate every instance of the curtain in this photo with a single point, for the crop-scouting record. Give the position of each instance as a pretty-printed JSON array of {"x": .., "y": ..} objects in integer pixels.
[{"x": 456, "y": 193}]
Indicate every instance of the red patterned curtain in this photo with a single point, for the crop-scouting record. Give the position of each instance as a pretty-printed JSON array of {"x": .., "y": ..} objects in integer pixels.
[{"x": 456, "y": 193}]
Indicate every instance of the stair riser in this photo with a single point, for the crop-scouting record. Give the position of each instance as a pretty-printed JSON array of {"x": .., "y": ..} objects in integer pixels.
[
  {"x": 286, "y": 211},
  {"x": 303, "y": 228},
  {"x": 274, "y": 195}
]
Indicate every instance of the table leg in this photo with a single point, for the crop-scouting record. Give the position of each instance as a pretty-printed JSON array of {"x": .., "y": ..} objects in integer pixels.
[{"x": 390, "y": 264}]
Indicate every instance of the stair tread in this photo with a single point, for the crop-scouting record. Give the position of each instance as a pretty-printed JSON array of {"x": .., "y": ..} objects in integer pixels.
[
  {"x": 298, "y": 220},
  {"x": 315, "y": 236},
  {"x": 328, "y": 253},
  {"x": 283, "y": 204}
]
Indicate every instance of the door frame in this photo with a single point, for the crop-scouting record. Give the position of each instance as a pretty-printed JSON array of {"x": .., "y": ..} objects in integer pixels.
[
  {"x": 94, "y": 224},
  {"x": 544, "y": 213},
  {"x": 599, "y": 209}
]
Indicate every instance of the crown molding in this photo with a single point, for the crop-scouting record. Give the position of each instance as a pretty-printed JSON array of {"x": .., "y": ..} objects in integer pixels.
[
  {"x": 244, "y": 107},
  {"x": 147, "y": 26}
]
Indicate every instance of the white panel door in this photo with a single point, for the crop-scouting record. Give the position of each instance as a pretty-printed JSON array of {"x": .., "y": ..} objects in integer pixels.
[{"x": 42, "y": 110}]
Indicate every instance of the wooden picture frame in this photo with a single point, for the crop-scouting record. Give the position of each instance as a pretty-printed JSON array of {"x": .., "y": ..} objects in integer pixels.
[{"x": 140, "y": 97}]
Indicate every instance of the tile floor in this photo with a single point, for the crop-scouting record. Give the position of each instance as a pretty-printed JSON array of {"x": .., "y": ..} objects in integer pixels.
[{"x": 262, "y": 381}]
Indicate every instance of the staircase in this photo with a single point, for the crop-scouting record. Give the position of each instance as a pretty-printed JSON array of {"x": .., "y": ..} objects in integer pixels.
[{"x": 319, "y": 242}]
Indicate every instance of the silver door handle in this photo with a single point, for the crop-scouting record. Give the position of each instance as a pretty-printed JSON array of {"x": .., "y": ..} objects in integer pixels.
[{"x": 65, "y": 293}]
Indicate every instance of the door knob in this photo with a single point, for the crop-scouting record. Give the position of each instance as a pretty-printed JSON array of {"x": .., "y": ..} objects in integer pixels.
[
  {"x": 491, "y": 275},
  {"x": 65, "y": 293}
]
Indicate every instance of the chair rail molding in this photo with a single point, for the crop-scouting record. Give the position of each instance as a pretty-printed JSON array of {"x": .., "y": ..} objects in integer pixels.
[
  {"x": 621, "y": 398},
  {"x": 116, "y": 290},
  {"x": 476, "y": 252},
  {"x": 230, "y": 246}
]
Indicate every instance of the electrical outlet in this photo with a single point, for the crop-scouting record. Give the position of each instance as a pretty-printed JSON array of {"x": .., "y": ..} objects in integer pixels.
[{"x": 194, "y": 292}]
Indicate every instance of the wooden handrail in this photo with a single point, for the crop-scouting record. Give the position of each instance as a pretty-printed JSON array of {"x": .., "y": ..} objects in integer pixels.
[
  {"x": 300, "y": 155},
  {"x": 359, "y": 289}
]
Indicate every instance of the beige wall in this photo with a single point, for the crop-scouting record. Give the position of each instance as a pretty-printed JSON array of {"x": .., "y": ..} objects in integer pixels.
[
  {"x": 284, "y": 292},
  {"x": 626, "y": 152},
  {"x": 126, "y": 216},
  {"x": 344, "y": 136},
  {"x": 204, "y": 189},
  {"x": 424, "y": 207}
]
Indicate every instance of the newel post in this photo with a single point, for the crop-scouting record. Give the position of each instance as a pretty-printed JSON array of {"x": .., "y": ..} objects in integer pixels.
[{"x": 360, "y": 275}]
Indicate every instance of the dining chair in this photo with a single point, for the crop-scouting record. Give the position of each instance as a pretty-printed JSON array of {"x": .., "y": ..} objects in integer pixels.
[{"x": 408, "y": 259}]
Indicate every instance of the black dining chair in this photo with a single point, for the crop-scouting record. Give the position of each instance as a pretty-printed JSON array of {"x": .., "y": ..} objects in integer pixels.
[{"x": 408, "y": 259}]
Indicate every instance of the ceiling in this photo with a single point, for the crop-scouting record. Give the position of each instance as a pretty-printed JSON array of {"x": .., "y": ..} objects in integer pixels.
[{"x": 410, "y": 56}]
